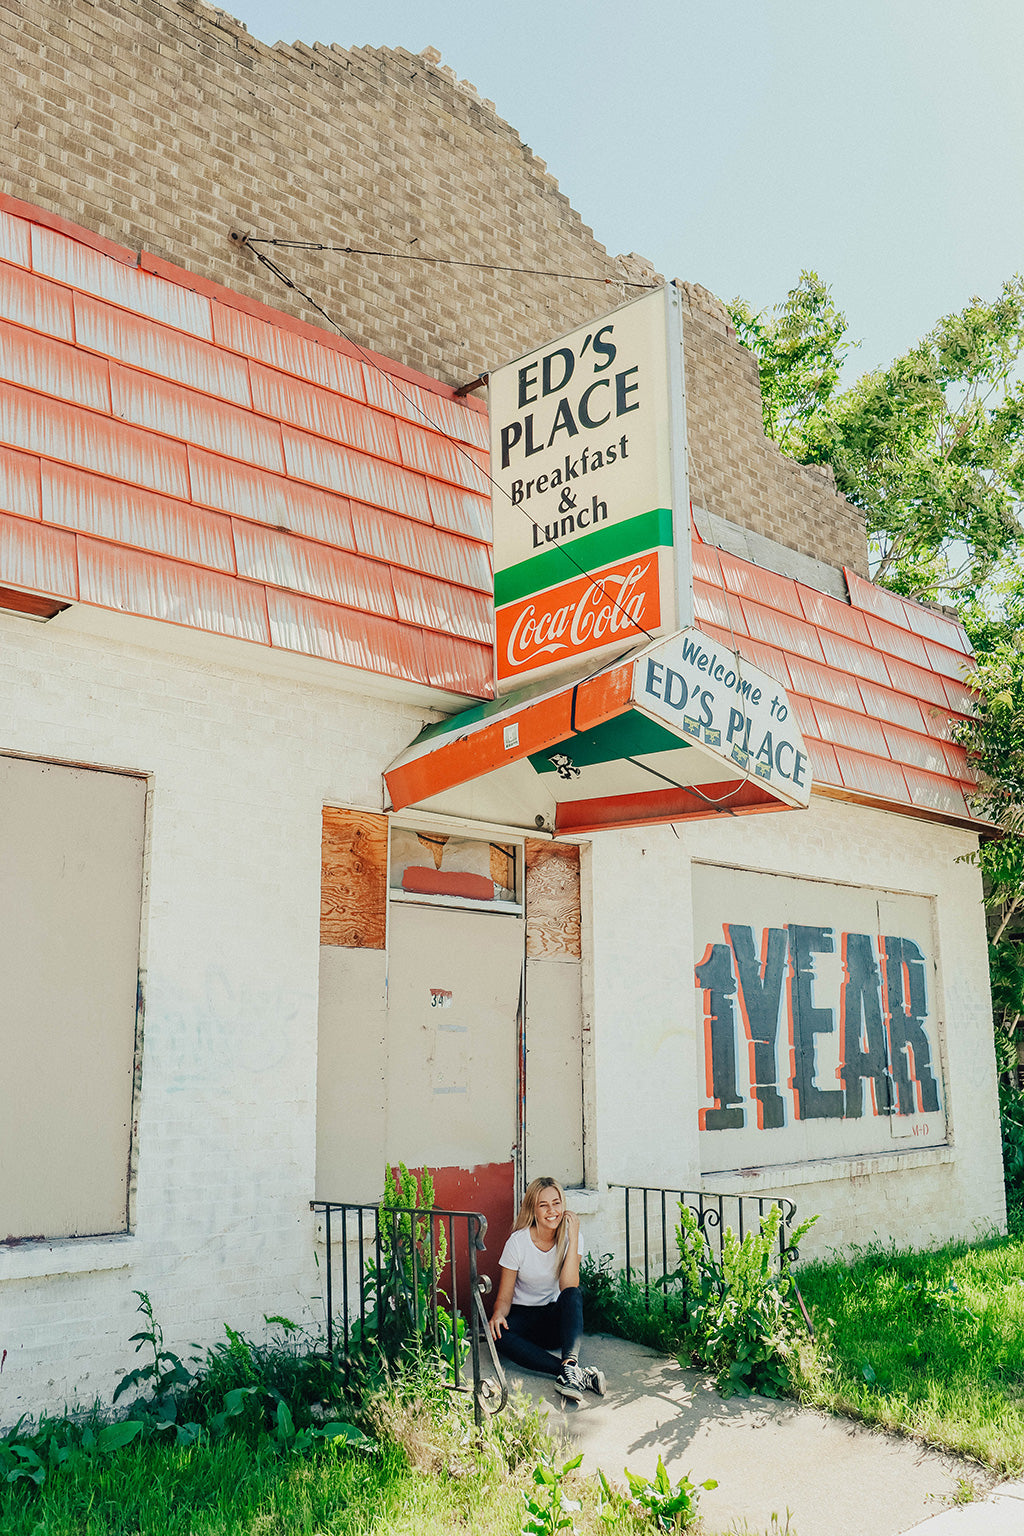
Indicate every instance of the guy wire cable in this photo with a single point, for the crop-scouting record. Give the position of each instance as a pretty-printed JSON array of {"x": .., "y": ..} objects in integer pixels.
[{"x": 442, "y": 261}]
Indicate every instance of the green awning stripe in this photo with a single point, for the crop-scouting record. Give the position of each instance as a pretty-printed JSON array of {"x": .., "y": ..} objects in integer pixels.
[{"x": 592, "y": 552}]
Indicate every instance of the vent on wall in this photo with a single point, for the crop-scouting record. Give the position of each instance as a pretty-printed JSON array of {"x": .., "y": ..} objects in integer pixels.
[{"x": 29, "y": 605}]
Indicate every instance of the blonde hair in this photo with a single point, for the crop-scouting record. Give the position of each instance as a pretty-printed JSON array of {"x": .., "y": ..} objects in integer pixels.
[{"x": 528, "y": 1215}]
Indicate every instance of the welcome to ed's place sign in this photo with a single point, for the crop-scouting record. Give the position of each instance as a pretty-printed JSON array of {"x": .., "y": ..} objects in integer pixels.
[{"x": 715, "y": 699}]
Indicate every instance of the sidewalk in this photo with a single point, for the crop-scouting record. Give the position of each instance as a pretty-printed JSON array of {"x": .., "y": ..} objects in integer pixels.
[{"x": 830, "y": 1476}]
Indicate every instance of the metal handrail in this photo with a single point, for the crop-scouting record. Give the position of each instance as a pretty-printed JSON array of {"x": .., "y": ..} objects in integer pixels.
[
  {"x": 714, "y": 1213},
  {"x": 412, "y": 1285}
]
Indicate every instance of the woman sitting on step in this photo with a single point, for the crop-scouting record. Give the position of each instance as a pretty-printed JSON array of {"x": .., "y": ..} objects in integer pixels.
[{"x": 538, "y": 1307}]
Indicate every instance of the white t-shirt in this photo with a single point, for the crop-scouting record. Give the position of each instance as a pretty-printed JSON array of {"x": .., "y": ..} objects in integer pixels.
[{"x": 536, "y": 1272}]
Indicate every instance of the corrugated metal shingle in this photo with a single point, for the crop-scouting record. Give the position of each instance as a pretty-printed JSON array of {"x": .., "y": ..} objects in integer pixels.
[
  {"x": 272, "y": 499},
  {"x": 460, "y": 511},
  {"x": 340, "y": 634},
  {"x": 19, "y": 483},
  {"x": 453, "y": 610},
  {"x": 282, "y": 560},
  {"x": 714, "y": 605},
  {"x": 81, "y": 267},
  {"x": 53, "y": 368},
  {"x": 455, "y": 664},
  {"x": 752, "y": 581},
  {"x": 844, "y": 727},
  {"x": 181, "y": 413},
  {"x": 96, "y": 505},
  {"x": 355, "y": 474},
  {"x": 15, "y": 240},
  {"x": 913, "y": 747},
  {"x": 783, "y": 631},
  {"x": 139, "y": 343},
  {"x": 319, "y": 363},
  {"x": 873, "y": 776},
  {"x": 326, "y": 414},
  {"x": 935, "y": 793},
  {"x": 917, "y": 681},
  {"x": 435, "y": 456},
  {"x": 421, "y": 548},
  {"x": 829, "y": 613},
  {"x": 825, "y": 683},
  {"x": 131, "y": 582},
  {"x": 32, "y": 301},
  {"x": 39, "y": 558},
  {"x": 74, "y": 436}
]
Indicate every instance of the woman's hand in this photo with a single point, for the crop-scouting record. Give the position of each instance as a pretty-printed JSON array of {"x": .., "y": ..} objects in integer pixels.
[
  {"x": 502, "y": 1302},
  {"x": 569, "y": 1274}
]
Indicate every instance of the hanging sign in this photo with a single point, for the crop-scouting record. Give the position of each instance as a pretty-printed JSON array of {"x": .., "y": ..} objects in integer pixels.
[
  {"x": 717, "y": 700},
  {"x": 590, "y": 497}
]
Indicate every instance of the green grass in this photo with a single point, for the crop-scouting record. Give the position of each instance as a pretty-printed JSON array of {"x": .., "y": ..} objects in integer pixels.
[
  {"x": 931, "y": 1344},
  {"x": 226, "y": 1489}
]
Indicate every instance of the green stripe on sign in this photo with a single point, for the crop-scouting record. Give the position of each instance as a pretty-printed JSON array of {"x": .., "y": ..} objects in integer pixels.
[{"x": 591, "y": 552}]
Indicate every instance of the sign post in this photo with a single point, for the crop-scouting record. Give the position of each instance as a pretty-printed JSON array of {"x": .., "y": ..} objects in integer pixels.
[{"x": 591, "y": 499}]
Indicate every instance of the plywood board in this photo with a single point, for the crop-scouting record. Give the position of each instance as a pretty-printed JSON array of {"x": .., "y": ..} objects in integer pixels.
[
  {"x": 552, "y": 900},
  {"x": 354, "y": 879}
]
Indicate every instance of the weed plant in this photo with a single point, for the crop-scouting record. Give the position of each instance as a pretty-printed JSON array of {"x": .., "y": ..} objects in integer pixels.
[
  {"x": 928, "y": 1343},
  {"x": 734, "y": 1314}
]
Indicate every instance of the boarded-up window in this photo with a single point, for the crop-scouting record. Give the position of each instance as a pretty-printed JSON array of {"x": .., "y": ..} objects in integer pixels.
[{"x": 71, "y": 850}]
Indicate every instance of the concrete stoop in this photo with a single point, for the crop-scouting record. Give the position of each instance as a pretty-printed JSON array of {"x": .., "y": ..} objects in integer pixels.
[{"x": 826, "y": 1476}]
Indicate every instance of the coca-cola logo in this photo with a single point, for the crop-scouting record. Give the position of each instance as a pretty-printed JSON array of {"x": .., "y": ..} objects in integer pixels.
[{"x": 584, "y": 614}]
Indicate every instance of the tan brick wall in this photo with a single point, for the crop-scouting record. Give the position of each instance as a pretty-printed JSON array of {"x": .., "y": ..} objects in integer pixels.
[
  {"x": 738, "y": 473},
  {"x": 166, "y": 126}
]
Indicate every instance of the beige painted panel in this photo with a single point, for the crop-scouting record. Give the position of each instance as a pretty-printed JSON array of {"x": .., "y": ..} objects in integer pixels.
[
  {"x": 805, "y": 1094},
  {"x": 453, "y": 997},
  {"x": 71, "y": 858},
  {"x": 351, "y": 1108},
  {"x": 554, "y": 1072}
]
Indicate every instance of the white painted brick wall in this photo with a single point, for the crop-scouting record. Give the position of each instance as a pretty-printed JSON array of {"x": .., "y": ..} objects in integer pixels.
[
  {"x": 647, "y": 1067},
  {"x": 241, "y": 766}
]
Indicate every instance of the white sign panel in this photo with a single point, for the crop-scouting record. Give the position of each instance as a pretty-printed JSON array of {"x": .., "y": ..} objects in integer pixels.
[
  {"x": 721, "y": 702},
  {"x": 591, "y": 506}
]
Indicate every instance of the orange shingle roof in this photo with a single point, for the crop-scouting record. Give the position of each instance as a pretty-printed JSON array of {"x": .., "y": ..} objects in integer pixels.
[
  {"x": 171, "y": 449},
  {"x": 874, "y": 682}
]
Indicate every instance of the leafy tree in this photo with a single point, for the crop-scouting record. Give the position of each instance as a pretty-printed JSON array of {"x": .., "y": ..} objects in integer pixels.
[
  {"x": 931, "y": 447},
  {"x": 799, "y": 348}
]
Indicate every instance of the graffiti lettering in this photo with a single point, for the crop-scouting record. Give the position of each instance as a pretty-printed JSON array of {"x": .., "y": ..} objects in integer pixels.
[
  {"x": 864, "y": 1046},
  {"x": 714, "y": 975},
  {"x": 760, "y": 1005},
  {"x": 881, "y": 1017},
  {"x": 910, "y": 1052}
]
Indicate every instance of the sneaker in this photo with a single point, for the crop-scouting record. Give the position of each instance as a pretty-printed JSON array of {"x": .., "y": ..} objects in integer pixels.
[
  {"x": 570, "y": 1383},
  {"x": 593, "y": 1379}
]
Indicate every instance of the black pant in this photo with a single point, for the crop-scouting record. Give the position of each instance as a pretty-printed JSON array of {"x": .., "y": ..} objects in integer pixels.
[{"x": 533, "y": 1331}]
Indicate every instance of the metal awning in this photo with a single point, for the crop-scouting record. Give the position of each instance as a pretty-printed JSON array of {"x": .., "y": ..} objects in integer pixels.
[{"x": 682, "y": 729}]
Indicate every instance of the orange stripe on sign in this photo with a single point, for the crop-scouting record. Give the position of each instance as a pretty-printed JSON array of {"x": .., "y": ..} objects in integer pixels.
[
  {"x": 620, "y": 603},
  {"x": 538, "y": 725}
]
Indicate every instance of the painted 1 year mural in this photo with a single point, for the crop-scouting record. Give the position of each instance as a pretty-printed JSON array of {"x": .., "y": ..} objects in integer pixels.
[{"x": 817, "y": 1020}]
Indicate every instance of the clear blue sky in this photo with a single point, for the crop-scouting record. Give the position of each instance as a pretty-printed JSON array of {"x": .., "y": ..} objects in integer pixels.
[{"x": 734, "y": 142}]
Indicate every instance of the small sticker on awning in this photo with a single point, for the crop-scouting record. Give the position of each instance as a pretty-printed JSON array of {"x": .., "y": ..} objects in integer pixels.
[{"x": 511, "y": 735}]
